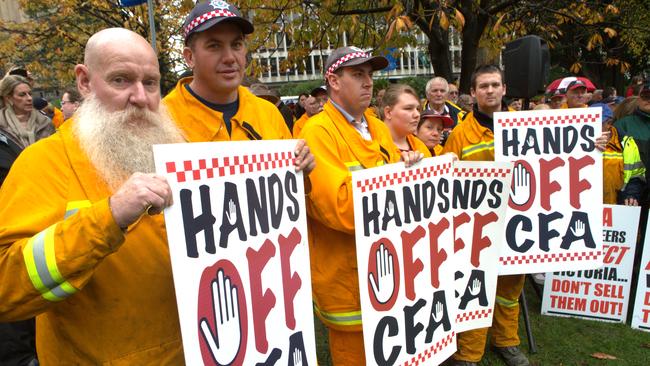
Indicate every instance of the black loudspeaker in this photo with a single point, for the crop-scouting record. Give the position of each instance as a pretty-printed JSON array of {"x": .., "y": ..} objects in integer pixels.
[{"x": 527, "y": 62}]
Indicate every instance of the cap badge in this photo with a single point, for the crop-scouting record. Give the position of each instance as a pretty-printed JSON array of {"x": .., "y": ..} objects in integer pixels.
[{"x": 219, "y": 4}]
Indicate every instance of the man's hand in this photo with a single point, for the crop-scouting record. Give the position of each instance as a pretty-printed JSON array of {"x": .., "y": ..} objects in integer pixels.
[
  {"x": 601, "y": 142},
  {"x": 411, "y": 157},
  {"x": 631, "y": 202},
  {"x": 304, "y": 159},
  {"x": 139, "y": 194}
]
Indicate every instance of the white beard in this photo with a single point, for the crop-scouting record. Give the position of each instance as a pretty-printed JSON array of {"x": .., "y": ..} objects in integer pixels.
[{"x": 120, "y": 143}]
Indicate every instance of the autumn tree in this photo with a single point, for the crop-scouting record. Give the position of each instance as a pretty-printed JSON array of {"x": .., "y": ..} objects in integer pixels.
[
  {"x": 382, "y": 25},
  {"x": 602, "y": 40},
  {"x": 52, "y": 41},
  {"x": 594, "y": 38},
  {"x": 589, "y": 34}
]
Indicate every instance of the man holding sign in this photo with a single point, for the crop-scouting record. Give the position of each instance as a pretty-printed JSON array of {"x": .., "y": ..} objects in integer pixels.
[
  {"x": 213, "y": 105},
  {"x": 473, "y": 140},
  {"x": 345, "y": 137},
  {"x": 79, "y": 252}
]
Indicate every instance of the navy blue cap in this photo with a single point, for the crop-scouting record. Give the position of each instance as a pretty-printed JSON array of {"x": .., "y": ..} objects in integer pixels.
[{"x": 207, "y": 14}]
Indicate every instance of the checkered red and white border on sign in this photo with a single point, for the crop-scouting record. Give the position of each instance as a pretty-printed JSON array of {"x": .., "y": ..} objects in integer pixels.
[
  {"x": 189, "y": 170},
  {"x": 550, "y": 257},
  {"x": 403, "y": 176},
  {"x": 550, "y": 120},
  {"x": 423, "y": 356},
  {"x": 481, "y": 173},
  {"x": 471, "y": 315}
]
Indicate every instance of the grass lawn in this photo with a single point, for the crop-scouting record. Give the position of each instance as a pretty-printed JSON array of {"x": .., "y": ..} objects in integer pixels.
[{"x": 560, "y": 341}]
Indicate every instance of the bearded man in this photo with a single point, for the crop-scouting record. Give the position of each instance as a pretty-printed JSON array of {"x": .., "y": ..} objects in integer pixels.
[{"x": 81, "y": 246}]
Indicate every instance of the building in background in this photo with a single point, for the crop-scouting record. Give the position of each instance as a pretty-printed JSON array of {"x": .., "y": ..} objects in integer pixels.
[
  {"x": 409, "y": 61},
  {"x": 10, "y": 11}
]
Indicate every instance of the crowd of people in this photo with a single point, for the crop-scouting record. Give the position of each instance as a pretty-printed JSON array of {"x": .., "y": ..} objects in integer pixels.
[{"x": 83, "y": 250}]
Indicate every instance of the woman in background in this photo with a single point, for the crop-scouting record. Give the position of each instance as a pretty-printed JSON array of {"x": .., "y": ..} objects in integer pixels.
[
  {"x": 18, "y": 118},
  {"x": 401, "y": 106},
  {"x": 430, "y": 130}
]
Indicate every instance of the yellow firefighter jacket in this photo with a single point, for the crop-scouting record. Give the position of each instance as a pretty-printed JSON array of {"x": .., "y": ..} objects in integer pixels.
[
  {"x": 300, "y": 123},
  {"x": 339, "y": 149},
  {"x": 101, "y": 296},
  {"x": 612, "y": 168},
  {"x": 472, "y": 141},
  {"x": 256, "y": 119},
  {"x": 417, "y": 145}
]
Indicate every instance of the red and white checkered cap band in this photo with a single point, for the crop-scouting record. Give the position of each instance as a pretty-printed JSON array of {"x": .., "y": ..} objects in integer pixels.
[
  {"x": 345, "y": 58},
  {"x": 207, "y": 16}
]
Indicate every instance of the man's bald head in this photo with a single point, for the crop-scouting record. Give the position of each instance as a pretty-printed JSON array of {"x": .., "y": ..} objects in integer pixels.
[{"x": 113, "y": 37}]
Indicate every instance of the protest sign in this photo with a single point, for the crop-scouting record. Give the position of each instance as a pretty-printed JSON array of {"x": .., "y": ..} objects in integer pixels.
[
  {"x": 480, "y": 198},
  {"x": 641, "y": 314},
  {"x": 238, "y": 244},
  {"x": 404, "y": 242},
  {"x": 555, "y": 210},
  {"x": 603, "y": 293}
]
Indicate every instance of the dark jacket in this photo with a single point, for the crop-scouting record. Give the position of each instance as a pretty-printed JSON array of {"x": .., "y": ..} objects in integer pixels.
[
  {"x": 452, "y": 110},
  {"x": 9, "y": 150},
  {"x": 287, "y": 114},
  {"x": 636, "y": 125},
  {"x": 17, "y": 344}
]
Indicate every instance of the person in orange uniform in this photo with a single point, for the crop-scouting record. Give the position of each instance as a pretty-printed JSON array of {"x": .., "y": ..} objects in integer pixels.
[
  {"x": 70, "y": 101},
  {"x": 430, "y": 130},
  {"x": 312, "y": 106},
  {"x": 344, "y": 137},
  {"x": 57, "y": 117},
  {"x": 80, "y": 253},
  {"x": 612, "y": 159},
  {"x": 613, "y": 154},
  {"x": 473, "y": 140},
  {"x": 212, "y": 105},
  {"x": 401, "y": 115}
]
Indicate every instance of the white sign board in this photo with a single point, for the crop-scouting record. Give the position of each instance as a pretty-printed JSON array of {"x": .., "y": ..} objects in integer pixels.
[
  {"x": 238, "y": 244},
  {"x": 603, "y": 293},
  {"x": 404, "y": 249},
  {"x": 479, "y": 202},
  {"x": 555, "y": 209}
]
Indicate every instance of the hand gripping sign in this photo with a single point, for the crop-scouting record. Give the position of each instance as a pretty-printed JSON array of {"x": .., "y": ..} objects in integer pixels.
[
  {"x": 238, "y": 244},
  {"x": 480, "y": 197},
  {"x": 404, "y": 248},
  {"x": 555, "y": 211},
  {"x": 603, "y": 293}
]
